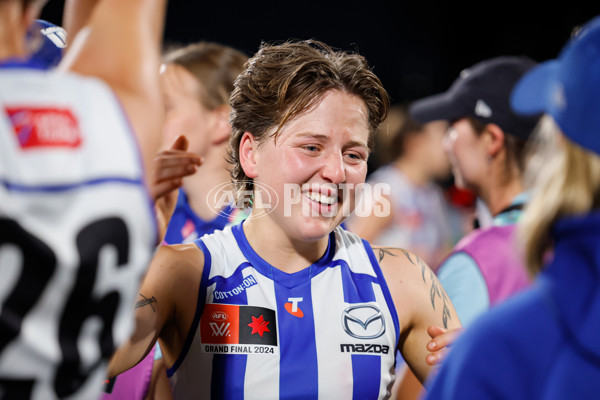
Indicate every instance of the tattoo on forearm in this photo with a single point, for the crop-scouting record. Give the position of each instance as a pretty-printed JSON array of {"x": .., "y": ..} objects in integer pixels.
[
  {"x": 146, "y": 301},
  {"x": 383, "y": 251}
]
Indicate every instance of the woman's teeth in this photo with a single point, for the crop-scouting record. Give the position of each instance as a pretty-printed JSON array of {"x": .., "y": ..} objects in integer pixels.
[{"x": 321, "y": 198}]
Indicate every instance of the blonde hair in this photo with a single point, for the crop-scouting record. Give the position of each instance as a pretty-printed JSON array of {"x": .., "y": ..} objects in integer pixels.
[
  {"x": 214, "y": 65},
  {"x": 564, "y": 179}
]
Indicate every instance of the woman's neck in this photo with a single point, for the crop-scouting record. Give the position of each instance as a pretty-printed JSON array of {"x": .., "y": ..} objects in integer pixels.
[
  {"x": 497, "y": 198},
  {"x": 275, "y": 246},
  {"x": 207, "y": 190}
]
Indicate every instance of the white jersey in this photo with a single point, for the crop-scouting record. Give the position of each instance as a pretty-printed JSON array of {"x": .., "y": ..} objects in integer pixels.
[
  {"x": 76, "y": 233},
  {"x": 327, "y": 332}
]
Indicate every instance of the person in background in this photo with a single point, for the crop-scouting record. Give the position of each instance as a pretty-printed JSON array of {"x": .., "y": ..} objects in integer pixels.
[
  {"x": 486, "y": 145},
  {"x": 77, "y": 229},
  {"x": 287, "y": 303},
  {"x": 416, "y": 213},
  {"x": 47, "y": 43},
  {"x": 543, "y": 343},
  {"x": 197, "y": 80}
]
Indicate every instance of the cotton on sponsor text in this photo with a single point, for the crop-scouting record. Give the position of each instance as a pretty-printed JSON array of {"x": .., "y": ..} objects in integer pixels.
[{"x": 249, "y": 281}]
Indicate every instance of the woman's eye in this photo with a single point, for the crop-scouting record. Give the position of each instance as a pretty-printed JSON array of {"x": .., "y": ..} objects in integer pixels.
[
  {"x": 311, "y": 148},
  {"x": 355, "y": 156}
]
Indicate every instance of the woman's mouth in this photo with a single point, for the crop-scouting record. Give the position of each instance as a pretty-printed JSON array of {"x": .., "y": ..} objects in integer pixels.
[{"x": 321, "y": 198}]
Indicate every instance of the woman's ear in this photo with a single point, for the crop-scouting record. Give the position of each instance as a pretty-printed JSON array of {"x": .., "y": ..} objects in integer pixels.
[
  {"x": 496, "y": 139},
  {"x": 248, "y": 155}
]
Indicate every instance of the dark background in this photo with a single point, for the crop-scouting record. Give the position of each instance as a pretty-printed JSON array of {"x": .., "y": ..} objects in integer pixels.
[{"x": 416, "y": 48}]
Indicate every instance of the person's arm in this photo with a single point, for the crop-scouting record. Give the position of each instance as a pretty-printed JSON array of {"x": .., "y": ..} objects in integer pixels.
[
  {"x": 163, "y": 306},
  {"x": 421, "y": 302},
  {"x": 76, "y": 14},
  {"x": 120, "y": 42}
]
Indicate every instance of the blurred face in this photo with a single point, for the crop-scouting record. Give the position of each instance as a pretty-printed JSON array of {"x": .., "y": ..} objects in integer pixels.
[
  {"x": 467, "y": 155},
  {"x": 437, "y": 160},
  {"x": 314, "y": 166},
  {"x": 185, "y": 114}
]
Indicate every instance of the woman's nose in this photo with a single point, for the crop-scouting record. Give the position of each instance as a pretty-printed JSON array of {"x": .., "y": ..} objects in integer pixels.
[{"x": 333, "y": 169}]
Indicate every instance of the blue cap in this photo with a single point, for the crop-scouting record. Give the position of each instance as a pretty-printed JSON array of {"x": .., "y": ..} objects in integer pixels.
[
  {"x": 48, "y": 41},
  {"x": 568, "y": 88}
]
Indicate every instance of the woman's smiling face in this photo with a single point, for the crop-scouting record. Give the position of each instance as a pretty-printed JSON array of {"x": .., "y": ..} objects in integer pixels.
[{"x": 314, "y": 165}]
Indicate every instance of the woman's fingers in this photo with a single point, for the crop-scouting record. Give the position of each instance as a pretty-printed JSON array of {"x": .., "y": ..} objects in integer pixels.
[{"x": 439, "y": 345}]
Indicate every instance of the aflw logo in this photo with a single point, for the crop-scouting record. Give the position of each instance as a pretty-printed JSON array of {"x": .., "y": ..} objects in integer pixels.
[{"x": 221, "y": 329}]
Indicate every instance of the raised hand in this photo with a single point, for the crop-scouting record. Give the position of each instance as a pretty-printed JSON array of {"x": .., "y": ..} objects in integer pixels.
[{"x": 170, "y": 167}]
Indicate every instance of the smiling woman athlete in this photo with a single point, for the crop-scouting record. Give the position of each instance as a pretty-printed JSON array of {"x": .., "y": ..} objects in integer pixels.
[{"x": 289, "y": 304}]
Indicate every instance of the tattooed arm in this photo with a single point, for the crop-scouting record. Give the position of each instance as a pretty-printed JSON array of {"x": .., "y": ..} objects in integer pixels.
[
  {"x": 165, "y": 307},
  {"x": 420, "y": 301}
]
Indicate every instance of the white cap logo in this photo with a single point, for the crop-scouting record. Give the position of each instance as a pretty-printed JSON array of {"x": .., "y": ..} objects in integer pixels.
[
  {"x": 57, "y": 35},
  {"x": 482, "y": 109}
]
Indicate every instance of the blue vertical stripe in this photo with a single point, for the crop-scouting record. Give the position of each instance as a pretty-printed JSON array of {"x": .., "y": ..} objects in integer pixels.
[
  {"x": 298, "y": 352},
  {"x": 358, "y": 288},
  {"x": 228, "y": 374},
  {"x": 366, "y": 369}
]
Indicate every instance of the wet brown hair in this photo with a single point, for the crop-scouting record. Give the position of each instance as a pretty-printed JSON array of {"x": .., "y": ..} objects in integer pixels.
[{"x": 285, "y": 80}]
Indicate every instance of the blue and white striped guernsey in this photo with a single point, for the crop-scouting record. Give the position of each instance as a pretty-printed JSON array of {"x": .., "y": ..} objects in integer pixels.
[
  {"x": 326, "y": 332},
  {"x": 77, "y": 231}
]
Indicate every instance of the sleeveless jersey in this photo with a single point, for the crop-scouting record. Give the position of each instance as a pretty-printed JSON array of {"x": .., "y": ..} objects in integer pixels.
[
  {"x": 326, "y": 332},
  {"x": 185, "y": 225},
  {"x": 76, "y": 232}
]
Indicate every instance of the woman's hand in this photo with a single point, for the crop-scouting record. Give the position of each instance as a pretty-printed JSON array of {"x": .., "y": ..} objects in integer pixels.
[
  {"x": 440, "y": 342},
  {"x": 170, "y": 167}
]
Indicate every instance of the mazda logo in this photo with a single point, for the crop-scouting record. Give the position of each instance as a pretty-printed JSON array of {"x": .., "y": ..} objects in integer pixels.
[{"x": 363, "y": 322}]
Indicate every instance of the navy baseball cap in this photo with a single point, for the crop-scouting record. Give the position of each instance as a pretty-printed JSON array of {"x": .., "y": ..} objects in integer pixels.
[
  {"x": 568, "y": 88},
  {"x": 48, "y": 41},
  {"x": 482, "y": 92}
]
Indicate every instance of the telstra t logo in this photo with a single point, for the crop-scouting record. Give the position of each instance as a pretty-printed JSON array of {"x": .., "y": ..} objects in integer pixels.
[{"x": 292, "y": 306}]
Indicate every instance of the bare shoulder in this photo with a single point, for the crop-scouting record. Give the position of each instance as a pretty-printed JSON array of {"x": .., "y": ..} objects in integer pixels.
[
  {"x": 189, "y": 253},
  {"x": 400, "y": 264},
  {"x": 174, "y": 269}
]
